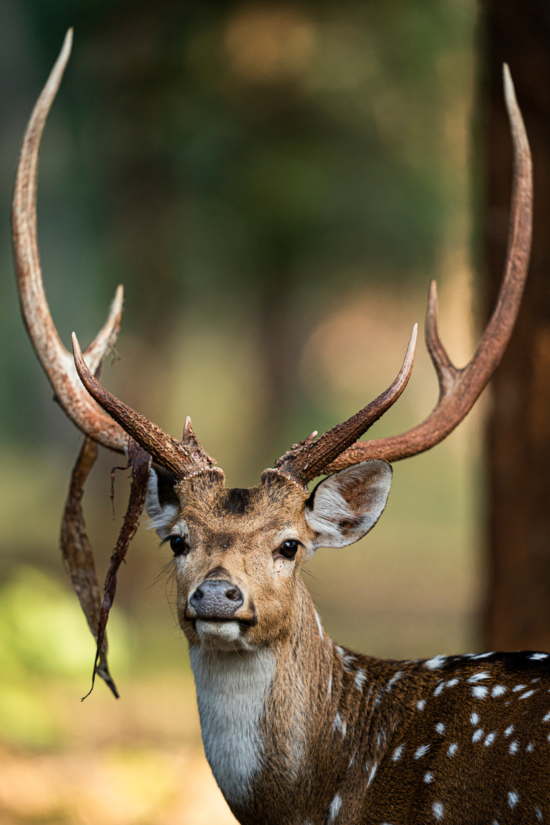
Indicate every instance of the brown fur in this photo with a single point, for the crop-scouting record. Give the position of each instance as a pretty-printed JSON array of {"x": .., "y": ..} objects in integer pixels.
[{"x": 334, "y": 720}]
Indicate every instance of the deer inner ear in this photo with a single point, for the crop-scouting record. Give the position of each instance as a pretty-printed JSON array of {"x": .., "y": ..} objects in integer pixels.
[
  {"x": 161, "y": 503},
  {"x": 346, "y": 505}
]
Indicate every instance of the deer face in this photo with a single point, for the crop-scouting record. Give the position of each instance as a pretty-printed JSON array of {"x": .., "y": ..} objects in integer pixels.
[{"x": 238, "y": 552}]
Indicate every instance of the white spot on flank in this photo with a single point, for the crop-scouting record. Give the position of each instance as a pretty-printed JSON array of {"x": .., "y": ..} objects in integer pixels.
[
  {"x": 440, "y": 728},
  {"x": 490, "y": 738},
  {"x": 437, "y": 661},
  {"x": 452, "y": 749},
  {"x": 340, "y": 724},
  {"x": 512, "y": 799},
  {"x": 508, "y": 731},
  {"x": 452, "y": 682},
  {"x": 478, "y": 677},
  {"x": 479, "y": 691},
  {"x": 347, "y": 660},
  {"x": 527, "y": 694},
  {"x": 396, "y": 755},
  {"x": 371, "y": 774},
  {"x": 231, "y": 694},
  {"x": 474, "y": 718},
  {"x": 546, "y": 718},
  {"x": 477, "y": 735},
  {"x": 538, "y": 814},
  {"x": 439, "y": 689},
  {"x": 421, "y": 751},
  {"x": 538, "y": 656},
  {"x": 421, "y": 704},
  {"x": 428, "y": 777},
  {"x": 334, "y": 809},
  {"x": 530, "y": 748},
  {"x": 513, "y": 746},
  {"x": 438, "y": 809},
  {"x": 483, "y": 655},
  {"x": 498, "y": 690},
  {"x": 360, "y": 677},
  {"x": 518, "y": 688}
]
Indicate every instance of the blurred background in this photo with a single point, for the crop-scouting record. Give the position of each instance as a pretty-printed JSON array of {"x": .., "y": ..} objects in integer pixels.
[{"x": 275, "y": 183}]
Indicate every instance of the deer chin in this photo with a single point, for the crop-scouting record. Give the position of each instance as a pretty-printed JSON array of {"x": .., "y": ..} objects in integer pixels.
[{"x": 220, "y": 635}]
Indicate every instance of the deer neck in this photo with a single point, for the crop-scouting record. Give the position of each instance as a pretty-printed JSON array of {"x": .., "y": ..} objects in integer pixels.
[{"x": 269, "y": 716}]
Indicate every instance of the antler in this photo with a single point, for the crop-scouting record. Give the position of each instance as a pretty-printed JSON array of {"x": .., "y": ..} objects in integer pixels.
[
  {"x": 182, "y": 458},
  {"x": 56, "y": 361},
  {"x": 459, "y": 389},
  {"x": 308, "y": 459}
]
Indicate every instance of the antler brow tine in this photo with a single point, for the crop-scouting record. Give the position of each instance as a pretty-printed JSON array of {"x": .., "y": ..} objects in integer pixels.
[
  {"x": 459, "y": 389},
  {"x": 181, "y": 458},
  {"x": 56, "y": 361}
]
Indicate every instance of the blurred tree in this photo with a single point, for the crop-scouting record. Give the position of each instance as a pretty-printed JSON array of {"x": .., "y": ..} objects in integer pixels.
[{"x": 517, "y": 613}]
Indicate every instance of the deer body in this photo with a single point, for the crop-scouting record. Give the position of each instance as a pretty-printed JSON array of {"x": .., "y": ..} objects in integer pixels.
[{"x": 297, "y": 730}]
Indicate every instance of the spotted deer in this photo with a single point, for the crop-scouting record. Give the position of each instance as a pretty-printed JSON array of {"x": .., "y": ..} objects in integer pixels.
[{"x": 297, "y": 729}]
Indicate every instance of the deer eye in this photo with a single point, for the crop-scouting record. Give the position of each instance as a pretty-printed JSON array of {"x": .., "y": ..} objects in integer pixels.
[
  {"x": 289, "y": 549},
  {"x": 178, "y": 545}
]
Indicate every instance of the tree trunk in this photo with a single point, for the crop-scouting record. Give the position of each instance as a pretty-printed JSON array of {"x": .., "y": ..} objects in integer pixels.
[{"x": 517, "y": 609}]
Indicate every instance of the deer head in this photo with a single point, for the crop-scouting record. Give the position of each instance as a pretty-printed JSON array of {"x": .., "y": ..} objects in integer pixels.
[{"x": 238, "y": 552}]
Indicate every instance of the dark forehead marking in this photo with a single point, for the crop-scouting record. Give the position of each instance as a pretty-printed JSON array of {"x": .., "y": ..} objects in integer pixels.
[{"x": 235, "y": 501}]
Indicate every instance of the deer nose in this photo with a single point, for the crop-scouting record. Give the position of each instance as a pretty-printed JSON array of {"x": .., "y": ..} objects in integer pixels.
[{"x": 216, "y": 600}]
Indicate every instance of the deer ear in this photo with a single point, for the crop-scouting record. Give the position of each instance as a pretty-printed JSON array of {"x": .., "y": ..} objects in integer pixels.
[
  {"x": 161, "y": 502},
  {"x": 346, "y": 505}
]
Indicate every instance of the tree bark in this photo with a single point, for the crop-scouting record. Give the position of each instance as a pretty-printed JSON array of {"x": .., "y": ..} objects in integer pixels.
[{"x": 517, "y": 608}]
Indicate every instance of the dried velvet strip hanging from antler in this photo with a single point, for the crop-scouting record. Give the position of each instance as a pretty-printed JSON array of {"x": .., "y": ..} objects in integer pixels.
[
  {"x": 140, "y": 462},
  {"x": 78, "y": 558}
]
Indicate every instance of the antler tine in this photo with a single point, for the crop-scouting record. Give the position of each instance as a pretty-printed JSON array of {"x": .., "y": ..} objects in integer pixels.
[
  {"x": 56, "y": 361},
  {"x": 459, "y": 389},
  {"x": 181, "y": 458},
  {"x": 309, "y": 458}
]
